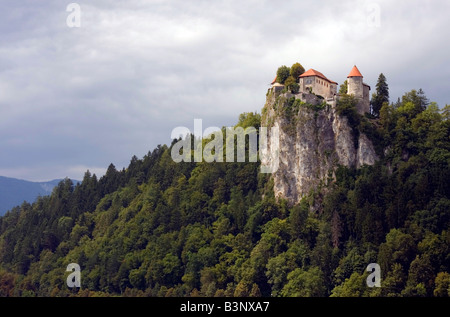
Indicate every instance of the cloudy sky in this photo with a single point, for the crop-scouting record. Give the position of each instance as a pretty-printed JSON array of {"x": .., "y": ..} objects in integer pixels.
[{"x": 78, "y": 98}]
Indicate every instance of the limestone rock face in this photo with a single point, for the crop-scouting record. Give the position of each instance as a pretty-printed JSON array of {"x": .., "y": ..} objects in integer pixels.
[{"x": 313, "y": 141}]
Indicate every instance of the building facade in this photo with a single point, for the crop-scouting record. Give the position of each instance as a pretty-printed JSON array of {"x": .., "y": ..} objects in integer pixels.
[{"x": 313, "y": 81}]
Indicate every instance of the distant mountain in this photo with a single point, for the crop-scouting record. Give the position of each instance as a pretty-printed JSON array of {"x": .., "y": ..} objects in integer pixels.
[{"x": 14, "y": 192}]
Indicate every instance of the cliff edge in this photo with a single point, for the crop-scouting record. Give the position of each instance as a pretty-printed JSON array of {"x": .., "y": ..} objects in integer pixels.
[{"x": 313, "y": 141}]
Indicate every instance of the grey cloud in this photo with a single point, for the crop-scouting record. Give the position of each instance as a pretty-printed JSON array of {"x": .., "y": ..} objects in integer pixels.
[{"x": 79, "y": 98}]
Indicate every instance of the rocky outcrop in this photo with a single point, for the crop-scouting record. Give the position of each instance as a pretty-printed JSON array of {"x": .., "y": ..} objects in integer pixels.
[{"x": 313, "y": 141}]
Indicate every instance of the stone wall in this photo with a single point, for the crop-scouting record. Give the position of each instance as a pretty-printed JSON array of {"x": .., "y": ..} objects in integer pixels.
[
  {"x": 318, "y": 85},
  {"x": 361, "y": 91},
  {"x": 366, "y": 98},
  {"x": 355, "y": 87}
]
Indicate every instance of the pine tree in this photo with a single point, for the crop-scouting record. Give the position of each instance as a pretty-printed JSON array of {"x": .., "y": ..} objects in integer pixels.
[{"x": 381, "y": 96}]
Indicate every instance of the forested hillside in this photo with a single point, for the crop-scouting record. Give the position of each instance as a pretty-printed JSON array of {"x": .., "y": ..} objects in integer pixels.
[{"x": 160, "y": 228}]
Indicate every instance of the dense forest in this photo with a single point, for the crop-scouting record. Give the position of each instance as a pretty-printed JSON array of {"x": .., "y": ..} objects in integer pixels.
[{"x": 160, "y": 228}]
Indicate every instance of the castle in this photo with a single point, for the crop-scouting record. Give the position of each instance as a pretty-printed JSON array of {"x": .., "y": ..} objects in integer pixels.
[{"x": 313, "y": 83}]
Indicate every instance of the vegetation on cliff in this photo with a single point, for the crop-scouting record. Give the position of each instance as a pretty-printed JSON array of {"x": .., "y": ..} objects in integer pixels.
[{"x": 159, "y": 228}]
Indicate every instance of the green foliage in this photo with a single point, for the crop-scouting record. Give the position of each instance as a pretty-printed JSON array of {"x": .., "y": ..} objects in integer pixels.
[
  {"x": 442, "y": 283},
  {"x": 292, "y": 85},
  {"x": 158, "y": 228},
  {"x": 346, "y": 106},
  {"x": 302, "y": 283},
  {"x": 283, "y": 73},
  {"x": 381, "y": 96},
  {"x": 249, "y": 119},
  {"x": 343, "y": 88},
  {"x": 354, "y": 286},
  {"x": 296, "y": 70},
  {"x": 418, "y": 99}
]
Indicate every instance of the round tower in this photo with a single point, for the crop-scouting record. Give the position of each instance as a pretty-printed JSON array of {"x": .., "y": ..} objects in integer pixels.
[{"x": 355, "y": 83}]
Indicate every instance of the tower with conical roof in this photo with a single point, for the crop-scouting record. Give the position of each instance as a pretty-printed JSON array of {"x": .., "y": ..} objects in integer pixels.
[{"x": 359, "y": 89}]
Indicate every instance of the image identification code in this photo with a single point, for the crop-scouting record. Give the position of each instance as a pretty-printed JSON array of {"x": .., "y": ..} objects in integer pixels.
[
  {"x": 246, "y": 306},
  {"x": 235, "y": 306}
]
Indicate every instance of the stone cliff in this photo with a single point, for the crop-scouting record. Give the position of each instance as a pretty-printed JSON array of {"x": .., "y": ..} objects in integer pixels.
[{"x": 313, "y": 141}]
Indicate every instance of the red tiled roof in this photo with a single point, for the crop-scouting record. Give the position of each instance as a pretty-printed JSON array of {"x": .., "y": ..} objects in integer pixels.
[
  {"x": 355, "y": 72},
  {"x": 274, "y": 80},
  {"x": 313, "y": 72}
]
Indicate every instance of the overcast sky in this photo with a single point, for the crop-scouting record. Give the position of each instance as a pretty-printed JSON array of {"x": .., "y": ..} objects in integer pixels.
[{"x": 80, "y": 98}]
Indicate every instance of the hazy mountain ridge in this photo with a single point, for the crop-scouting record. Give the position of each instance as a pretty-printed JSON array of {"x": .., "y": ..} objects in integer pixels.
[{"x": 13, "y": 191}]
